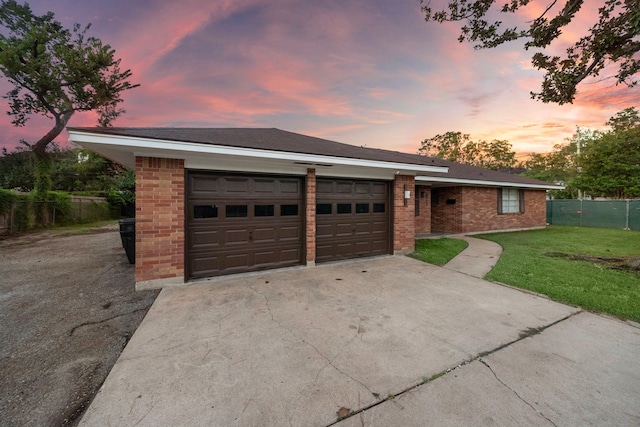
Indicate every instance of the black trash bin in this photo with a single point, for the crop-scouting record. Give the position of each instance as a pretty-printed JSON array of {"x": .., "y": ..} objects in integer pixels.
[{"x": 128, "y": 237}]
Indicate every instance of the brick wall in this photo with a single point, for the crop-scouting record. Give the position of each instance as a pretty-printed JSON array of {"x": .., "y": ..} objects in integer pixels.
[
  {"x": 476, "y": 209},
  {"x": 403, "y": 216},
  {"x": 480, "y": 211},
  {"x": 446, "y": 209},
  {"x": 160, "y": 190},
  {"x": 310, "y": 243},
  {"x": 423, "y": 215}
]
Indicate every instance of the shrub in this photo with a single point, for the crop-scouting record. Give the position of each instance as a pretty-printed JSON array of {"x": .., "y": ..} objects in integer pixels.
[{"x": 6, "y": 201}]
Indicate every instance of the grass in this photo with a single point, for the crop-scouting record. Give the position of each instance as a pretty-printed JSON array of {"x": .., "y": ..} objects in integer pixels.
[
  {"x": 438, "y": 251},
  {"x": 71, "y": 230},
  {"x": 593, "y": 286}
]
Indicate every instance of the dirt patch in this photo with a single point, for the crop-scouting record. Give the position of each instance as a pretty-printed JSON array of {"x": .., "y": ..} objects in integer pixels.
[
  {"x": 67, "y": 309},
  {"x": 620, "y": 263}
]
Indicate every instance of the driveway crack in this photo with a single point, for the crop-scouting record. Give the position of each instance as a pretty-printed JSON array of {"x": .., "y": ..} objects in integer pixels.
[{"x": 514, "y": 392}]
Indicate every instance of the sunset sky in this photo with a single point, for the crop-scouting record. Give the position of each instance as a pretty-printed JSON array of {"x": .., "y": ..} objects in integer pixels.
[{"x": 363, "y": 72}]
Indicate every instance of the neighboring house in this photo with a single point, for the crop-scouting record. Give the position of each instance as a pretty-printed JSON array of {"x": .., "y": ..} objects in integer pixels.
[{"x": 219, "y": 201}]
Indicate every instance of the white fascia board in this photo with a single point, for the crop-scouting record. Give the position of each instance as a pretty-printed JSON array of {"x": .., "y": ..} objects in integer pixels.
[
  {"x": 159, "y": 148},
  {"x": 427, "y": 179}
]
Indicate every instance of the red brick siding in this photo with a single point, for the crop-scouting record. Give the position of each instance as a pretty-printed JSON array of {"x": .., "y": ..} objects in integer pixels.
[
  {"x": 476, "y": 209},
  {"x": 403, "y": 216},
  {"x": 311, "y": 216},
  {"x": 160, "y": 224},
  {"x": 423, "y": 217},
  {"x": 447, "y": 217}
]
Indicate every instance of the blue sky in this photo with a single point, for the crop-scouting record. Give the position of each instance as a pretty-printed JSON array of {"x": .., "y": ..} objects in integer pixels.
[{"x": 368, "y": 73}]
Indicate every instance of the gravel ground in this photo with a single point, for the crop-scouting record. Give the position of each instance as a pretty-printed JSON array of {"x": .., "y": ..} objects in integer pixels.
[{"x": 67, "y": 309}]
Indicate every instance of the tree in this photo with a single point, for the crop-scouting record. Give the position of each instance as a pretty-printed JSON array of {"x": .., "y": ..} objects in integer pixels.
[
  {"x": 458, "y": 147},
  {"x": 73, "y": 170},
  {"x": 612, "y": 40},
  {"x": 56, "y": 72},
  {"x": 624, "y": 120},
  {"x": 610, "y": 161},
  {"x": 17, "y": 169},
  {"x": 558, "y": 166}
]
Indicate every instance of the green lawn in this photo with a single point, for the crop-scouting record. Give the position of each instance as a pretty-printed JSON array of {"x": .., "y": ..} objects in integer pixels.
[
  {"x": 438, "y": 251},
  {"x": 70, "y": 230},
  {"x": 591, "y": 285}
]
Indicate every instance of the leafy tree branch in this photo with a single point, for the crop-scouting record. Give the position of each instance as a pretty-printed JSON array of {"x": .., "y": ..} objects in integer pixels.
[
  {"x": 614, "y": 40},
  {"x": 56, "y": 72}
]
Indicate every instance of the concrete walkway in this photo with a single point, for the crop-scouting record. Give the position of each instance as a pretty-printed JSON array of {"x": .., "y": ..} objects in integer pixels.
[{"x": 477, "y": 259}]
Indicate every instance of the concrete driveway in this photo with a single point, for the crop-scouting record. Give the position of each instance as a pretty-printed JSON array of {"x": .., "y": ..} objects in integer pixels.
[{"x": 408, "y": 342}]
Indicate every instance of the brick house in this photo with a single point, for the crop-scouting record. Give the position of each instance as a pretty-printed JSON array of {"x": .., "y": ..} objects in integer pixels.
[{"x": 211, "y": 202}]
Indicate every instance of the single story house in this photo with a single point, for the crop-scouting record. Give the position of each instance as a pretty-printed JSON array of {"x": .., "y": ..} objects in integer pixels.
[{"x": 211, "y": 202}]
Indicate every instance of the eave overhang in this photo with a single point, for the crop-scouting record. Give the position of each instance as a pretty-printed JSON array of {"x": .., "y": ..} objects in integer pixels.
[
  {"x": 426, "y": 180},
  {"x": 124, "y": 150}
]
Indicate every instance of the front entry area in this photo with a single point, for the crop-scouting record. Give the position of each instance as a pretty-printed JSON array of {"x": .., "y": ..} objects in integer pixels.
[
  {"x": 352, "y": 219},
  {"x": 242, "y": 223}
]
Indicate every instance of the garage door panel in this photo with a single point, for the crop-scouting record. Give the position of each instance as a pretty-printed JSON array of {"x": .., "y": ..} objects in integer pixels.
[
  {"x": 204, "y": 238},
  {"x": 200, "y": 185},
  {"x": 379, "y": 189},
  {"x": 205, "y": 264},
  {"x": 264, "y": 257},
  {"x": 324, "y": 187},
  {"x": 343, "y": 229},
  {"x": 242, "y": 223},
  {"x": 265, "y": 185},
  {"x": 323, "y": 230},
  {"x": 236, "y": 236},
  {"x": 353, "y": 219},
  {"x": 290, "y": 233},
  {"x": 290, "y": 255},
  {"x": 345, "y": 248},
  {"x": 262, "y": 235},
  {"x": 363, "y": 188},
  {"x": 363, "y": 247},
  {"x": 363, "y": 227},
  {"x": 236, "y": 185},
  {"x": 291, "y": 187},
  {"x": 344, "y": 188},
  {"x": 236, "y": 260}
]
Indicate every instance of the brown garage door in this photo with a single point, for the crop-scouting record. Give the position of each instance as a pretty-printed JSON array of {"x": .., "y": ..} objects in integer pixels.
[
  {"x": 242, "y": 223},
  {"x": 352, "y": 219}
]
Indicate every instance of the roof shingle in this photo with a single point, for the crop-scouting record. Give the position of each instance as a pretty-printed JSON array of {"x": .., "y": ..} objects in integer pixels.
[{"x": 279, "y": 140}]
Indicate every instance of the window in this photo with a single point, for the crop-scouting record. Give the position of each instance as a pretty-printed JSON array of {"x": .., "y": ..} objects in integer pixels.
[
  {"x": 510, "y": 200},
  {"x": 263, "y": 210},
  {"x": 344, "y": 208},
  {"x": 288, "y": 210},
  {"x": 378, "y": 207},
  {"x": 362, "y": 207},
  {"x": 236, "y": 211},
  {"x": 205, "y": 211},
  {"x": 323, "y": 208}
]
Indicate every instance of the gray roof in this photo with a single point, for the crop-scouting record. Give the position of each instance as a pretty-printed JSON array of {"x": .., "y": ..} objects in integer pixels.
[{"x": 279, "y": 140}]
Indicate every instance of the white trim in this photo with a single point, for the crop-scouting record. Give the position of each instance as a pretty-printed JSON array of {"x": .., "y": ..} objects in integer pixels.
[
  {"x": 474, "y": 182},
  {"x": 148, "y": 147}
]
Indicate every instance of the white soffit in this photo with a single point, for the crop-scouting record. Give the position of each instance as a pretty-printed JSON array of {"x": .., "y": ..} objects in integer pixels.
[
  {"x": 209, "y": 156},
  {"x": 475, "y": 183}
]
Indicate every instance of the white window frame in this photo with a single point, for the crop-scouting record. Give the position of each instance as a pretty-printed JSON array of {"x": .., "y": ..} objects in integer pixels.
[{"x": 510, "y": 200}]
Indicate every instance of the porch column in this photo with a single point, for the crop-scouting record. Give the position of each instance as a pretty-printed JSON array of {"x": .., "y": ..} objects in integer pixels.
[
  {"x": 160, "y": 187},
  {"x": 310, "y": 220},
  {"x": 404, "y": 228}
]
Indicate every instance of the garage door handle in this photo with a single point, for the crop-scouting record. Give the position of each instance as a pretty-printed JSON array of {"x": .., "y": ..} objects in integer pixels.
[{"x": 250, "y": 236}]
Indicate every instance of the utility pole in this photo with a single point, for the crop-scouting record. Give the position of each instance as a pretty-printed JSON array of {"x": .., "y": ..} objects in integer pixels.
[{"x": 578, "y": 146}]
